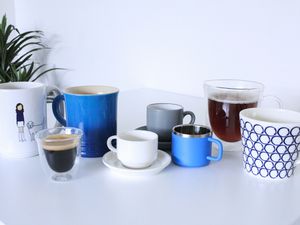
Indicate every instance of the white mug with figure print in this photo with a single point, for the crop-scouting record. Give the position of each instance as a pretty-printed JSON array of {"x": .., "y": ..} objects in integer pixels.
[{"x": 23, "y": 113}]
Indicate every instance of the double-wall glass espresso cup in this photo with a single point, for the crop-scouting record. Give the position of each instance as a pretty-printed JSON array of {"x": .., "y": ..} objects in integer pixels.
[
  {"x": 59, "y": 150},
  {"x": 225, "y": 99}
]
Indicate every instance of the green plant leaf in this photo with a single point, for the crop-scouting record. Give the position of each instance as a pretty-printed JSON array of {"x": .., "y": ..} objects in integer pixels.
[
  {"x": 25, "y": 55},
  {"x": 20, "y": 36},
  {"x": 8, "y": 32},
  {"x": 46, "y": 71},
  {"x": 29, "y": 72},
  {"x": 16, "y": 52},
  {"x": 3, "y": 23},
  {"x": 20, "y": 62},
  {"x": 14, "y": 73},
  {"x": 4, "y": 75}
]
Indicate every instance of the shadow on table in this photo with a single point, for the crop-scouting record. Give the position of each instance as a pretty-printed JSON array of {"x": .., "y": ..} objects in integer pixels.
[
  {"x": 296, "y": 222},
  {"x": 89, "y": 167}
]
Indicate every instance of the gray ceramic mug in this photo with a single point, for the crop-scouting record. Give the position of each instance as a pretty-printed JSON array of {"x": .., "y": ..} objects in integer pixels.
[{"x": 162, "y": 117}]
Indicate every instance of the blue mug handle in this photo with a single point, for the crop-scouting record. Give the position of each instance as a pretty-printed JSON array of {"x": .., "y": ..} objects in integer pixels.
[
  {"x": 220, "y": 150},
  {"x": 56, "y": 109}
]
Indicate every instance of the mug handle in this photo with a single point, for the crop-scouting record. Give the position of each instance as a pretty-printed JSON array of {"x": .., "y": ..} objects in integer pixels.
[
  {"x": 274, "y": 98},
  {"x": 220, "y": 150},
  {"x": 52, "y": 92},
  {"x": 56, "y": 109},
  {"x": 109, "y": 145},
  {"x": 193, "y": 118}
]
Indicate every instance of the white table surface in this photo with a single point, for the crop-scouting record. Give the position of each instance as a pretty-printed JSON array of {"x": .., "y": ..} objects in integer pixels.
[{"x": 219, "y": 194}]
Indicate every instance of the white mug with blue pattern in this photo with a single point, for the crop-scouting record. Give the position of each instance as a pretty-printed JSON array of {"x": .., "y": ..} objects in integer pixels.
[{"x": 270, "y": 139}]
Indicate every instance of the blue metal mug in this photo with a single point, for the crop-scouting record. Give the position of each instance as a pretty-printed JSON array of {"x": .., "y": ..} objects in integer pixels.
[
  {"x": 92, "y": 109},
  {"x": 192, "y": 144}
]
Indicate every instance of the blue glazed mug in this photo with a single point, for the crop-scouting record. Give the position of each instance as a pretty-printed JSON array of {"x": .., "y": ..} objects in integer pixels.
[
  {"x": 192, "y": 144},
  {"x": 92, "y": 109}
]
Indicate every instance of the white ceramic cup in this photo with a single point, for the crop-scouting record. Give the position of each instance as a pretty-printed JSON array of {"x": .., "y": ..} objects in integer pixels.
[
  {"x": 271, "y": 141},
  {"x": 23, "y": 113},
  {"x": 135, "y": 149}
]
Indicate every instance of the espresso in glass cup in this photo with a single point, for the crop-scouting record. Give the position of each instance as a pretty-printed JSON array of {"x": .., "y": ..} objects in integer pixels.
[
  {"x": 225, "y": 99},
  {"x": 59, "y": 150}
]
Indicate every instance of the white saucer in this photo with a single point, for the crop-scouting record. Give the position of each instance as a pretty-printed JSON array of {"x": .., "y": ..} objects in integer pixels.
[{"x": 111, "y": 161}]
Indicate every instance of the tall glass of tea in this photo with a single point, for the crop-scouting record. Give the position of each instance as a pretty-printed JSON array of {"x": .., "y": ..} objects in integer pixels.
[{"x": 225, "y": 99}]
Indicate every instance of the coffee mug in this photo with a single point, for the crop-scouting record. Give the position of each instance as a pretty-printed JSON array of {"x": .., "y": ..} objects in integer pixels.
[
  {"x": 270, "y": 139},
  {"x": 92, "y": 109},
  {"x": 23, "y": 114},
  {"x": 162, "y": 117},
  {"x": 135, "y": 149},
  {"x": 192, "y": 144}
]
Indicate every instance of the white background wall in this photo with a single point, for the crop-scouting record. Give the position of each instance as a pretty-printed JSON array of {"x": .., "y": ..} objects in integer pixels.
[
  {"x": 7, "y": 7},
  {"x": 170, "y": 44}
]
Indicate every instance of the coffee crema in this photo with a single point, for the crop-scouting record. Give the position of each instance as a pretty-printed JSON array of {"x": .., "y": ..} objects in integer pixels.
[
  {"x": 224, "y": 117},
  {"x": 60, "y": 151}
]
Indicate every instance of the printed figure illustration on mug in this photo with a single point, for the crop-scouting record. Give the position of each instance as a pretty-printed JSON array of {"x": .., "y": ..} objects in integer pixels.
[
  {"x": 32, "y": 127},
  {"x": 20, "y": 121}
]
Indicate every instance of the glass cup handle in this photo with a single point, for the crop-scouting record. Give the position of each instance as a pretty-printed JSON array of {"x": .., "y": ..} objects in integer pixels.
[
  {"x": 109, "y": 145},
  {"x": 274, "y": 98},
  {"x": 220, "y": 150},
  {"x": 192, "y": 115}
]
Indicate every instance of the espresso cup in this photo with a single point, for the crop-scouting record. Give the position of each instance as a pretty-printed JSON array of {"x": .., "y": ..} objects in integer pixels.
[
  {"x": 135, "y": 149},
  {"x": 192, "y": 145},
  {"x": 23, "y": 114},
  {"x": 92, "y": 109},
  {"x": 270, "y": 139},
  {"x": 59, "y": 150},
  {"x": 162, "y": 117}
]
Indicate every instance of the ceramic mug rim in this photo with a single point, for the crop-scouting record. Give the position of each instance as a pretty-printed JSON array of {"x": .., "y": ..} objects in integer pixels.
[
  {"x": 98, "y": 90},
  {"x": 253, "y": 114},
  {"x": 151, "y": 136},
  {"x": 153, "y": 108},
  {"x": 20, "y": 86}
]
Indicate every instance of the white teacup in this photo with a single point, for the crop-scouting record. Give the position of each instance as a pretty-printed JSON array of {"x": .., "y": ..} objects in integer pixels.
[
  {"x": 271, "y": 141},
  {"x": 135, "y": 149}
]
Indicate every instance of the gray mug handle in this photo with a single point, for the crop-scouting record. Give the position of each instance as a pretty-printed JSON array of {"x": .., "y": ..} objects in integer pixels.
[{"x": 192, "y": 115}]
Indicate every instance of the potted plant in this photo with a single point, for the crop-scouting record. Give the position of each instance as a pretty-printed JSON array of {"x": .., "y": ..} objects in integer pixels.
[{"x": 16, "y": 54}]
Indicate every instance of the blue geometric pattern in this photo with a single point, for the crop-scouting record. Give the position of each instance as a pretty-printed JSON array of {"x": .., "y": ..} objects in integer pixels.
[{"x": 269, "y": 151}]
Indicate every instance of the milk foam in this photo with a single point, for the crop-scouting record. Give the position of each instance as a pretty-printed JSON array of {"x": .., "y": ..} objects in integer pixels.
[
  {"x": 60, "y": 142},
  {"x": 234, "y": 98}
]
